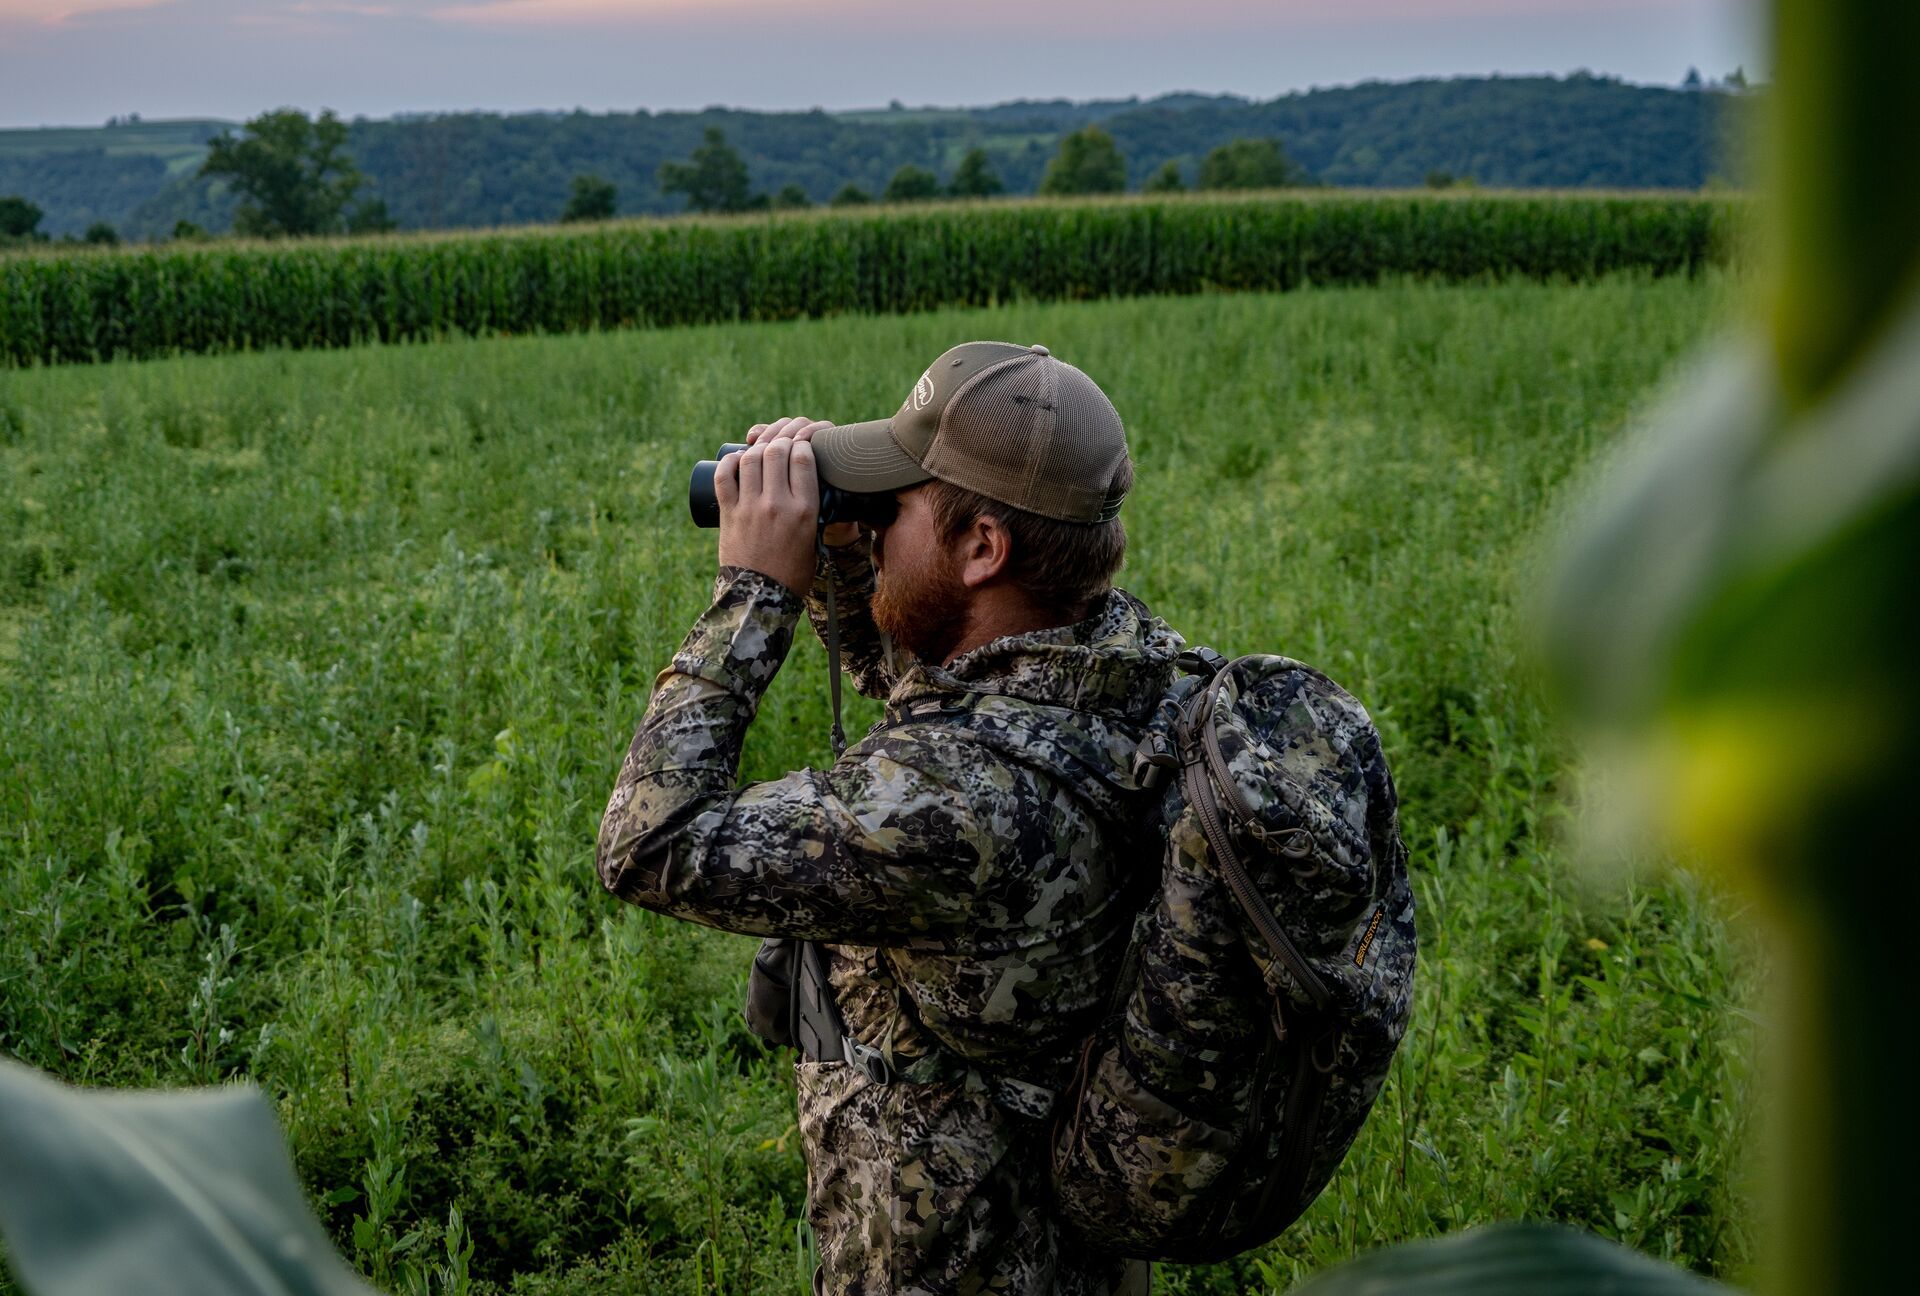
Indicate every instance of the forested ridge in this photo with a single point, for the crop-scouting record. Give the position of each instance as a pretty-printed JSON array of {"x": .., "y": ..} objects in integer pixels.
[{"x": 483, "y": 169}]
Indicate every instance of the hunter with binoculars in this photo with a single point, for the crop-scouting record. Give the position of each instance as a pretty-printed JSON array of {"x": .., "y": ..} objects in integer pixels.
[{"x": 1097, "y": 946}]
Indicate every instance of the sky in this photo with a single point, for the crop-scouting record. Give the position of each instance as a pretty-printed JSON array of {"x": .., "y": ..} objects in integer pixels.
[{"x": 78, "y": 62}]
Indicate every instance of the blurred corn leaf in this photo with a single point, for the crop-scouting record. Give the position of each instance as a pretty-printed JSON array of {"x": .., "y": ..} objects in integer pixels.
[
  {"x": 1743, "y": 600},
  {"x": 1516, "y": 1259},
  {"x": 1742, "y": 612},
  {"x": 166, "y": 1194}
]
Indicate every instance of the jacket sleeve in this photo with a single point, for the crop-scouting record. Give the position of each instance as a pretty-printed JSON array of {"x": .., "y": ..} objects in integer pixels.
[
  {"x": 866, "y": 654},
  {"x": 871, "y": 851}
]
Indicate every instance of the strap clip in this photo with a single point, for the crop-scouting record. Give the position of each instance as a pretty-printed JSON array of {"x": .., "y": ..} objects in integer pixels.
[
  {"x": 868, "y": 1061},
  {"x": 1153, "y": 758},
  {"x": 1200, "y": 660}
]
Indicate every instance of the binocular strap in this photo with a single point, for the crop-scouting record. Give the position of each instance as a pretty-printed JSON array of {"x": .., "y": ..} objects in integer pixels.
[{"x": 839, "y": 735}]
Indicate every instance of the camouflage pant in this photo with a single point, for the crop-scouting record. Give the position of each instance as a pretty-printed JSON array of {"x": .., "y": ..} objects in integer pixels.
[{"x": 934, "y": 1189}]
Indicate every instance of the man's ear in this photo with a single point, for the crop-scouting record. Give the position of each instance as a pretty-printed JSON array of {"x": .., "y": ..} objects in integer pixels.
[{"x": 985, "y": 548}]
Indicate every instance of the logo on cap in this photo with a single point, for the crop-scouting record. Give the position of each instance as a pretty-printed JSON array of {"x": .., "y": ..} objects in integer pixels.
[{"x": 923, "y": 391}]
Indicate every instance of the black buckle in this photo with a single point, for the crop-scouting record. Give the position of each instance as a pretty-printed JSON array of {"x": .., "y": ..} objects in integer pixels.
[
  {"x": 1153, "y": 758},
  {"x": 1200, "y": 660},
  {"x": 868, "y": 1061}
]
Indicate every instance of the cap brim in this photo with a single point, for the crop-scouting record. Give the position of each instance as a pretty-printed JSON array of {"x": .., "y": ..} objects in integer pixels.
[{"x": 864, "y": 457}]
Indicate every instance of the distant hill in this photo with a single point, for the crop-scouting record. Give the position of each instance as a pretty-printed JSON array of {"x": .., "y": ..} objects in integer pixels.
[
  {"x": 480, "y": 169},
  {"x": 1535, "y": 132},
  {"x": 80, "y": 175}
]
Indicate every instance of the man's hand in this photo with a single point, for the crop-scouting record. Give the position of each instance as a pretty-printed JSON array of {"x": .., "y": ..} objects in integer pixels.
[
  {"x": 769, "y": 500},
  {"x": 834, "y": 534}
]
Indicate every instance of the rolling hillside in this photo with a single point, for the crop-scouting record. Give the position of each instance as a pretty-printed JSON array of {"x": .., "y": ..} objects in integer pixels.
[{"x": 481, "y": 169}]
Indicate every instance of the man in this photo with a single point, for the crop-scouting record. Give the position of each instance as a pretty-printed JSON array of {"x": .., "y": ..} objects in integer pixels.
[{"x": 970, "y": 864}]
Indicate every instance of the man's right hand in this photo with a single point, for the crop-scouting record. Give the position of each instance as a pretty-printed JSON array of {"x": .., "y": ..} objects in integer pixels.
[
  {"x": 769, "y": 496},
  {"x": 834, "y": 534}
]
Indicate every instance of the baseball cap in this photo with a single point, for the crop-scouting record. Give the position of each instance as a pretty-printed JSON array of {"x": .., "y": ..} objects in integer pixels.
[{"x": 1005, "y": 421}]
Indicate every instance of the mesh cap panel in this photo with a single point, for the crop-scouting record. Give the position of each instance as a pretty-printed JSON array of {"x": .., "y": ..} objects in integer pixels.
[
  {"x": 1085, "y": 463},
  {"x": 1035, "y": 433}
]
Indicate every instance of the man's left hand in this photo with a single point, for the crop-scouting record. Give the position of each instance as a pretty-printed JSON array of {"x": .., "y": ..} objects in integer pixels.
[{"x": 769, "y": 499}]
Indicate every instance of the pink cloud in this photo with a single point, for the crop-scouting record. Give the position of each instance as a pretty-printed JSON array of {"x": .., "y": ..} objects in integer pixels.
[
  {"x": 1104, "y": 15},
  {"x": 59, "y": 13},
  {"x": 357, "y": 10},
  {"x": 603, "y": 12}
]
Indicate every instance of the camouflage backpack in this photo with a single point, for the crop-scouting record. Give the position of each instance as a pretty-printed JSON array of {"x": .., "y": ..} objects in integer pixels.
[{"x": 1269, "y": 976}]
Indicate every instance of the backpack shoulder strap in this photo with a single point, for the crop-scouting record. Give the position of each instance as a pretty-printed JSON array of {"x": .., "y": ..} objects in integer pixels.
[{"x": 1210, "y": 791}]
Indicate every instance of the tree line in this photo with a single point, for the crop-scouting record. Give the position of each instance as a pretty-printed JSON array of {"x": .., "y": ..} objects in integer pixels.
[
  {"x": 294, "y": 177},
  {"x": 479, "y": 169},
  {"x": 20, "y": 226},
  {"x": 292, "y": 173},
  {"x": 716, "y": 177}
]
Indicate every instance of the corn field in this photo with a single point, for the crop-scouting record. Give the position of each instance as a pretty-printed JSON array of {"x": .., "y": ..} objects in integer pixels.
[{"x": 143, "y": 302}]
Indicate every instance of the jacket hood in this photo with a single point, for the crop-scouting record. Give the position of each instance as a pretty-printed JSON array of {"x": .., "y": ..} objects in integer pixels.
[
  {"x": 1117, "y": 662},
  {"x": 1075, "y": 695}
]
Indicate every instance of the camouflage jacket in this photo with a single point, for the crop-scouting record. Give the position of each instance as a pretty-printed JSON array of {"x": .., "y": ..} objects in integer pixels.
[{"x": 965, "y": 865}]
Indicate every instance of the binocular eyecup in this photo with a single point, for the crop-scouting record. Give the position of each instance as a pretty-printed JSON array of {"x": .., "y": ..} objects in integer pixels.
[{"x": 836, "y": 505}]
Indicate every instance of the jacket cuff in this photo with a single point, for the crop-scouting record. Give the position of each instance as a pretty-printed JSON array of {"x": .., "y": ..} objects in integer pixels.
[{"x": 740, "y": 641}]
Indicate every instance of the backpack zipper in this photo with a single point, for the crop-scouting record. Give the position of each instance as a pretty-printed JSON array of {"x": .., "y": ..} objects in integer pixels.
[{"x": 1306, "y": 1098}]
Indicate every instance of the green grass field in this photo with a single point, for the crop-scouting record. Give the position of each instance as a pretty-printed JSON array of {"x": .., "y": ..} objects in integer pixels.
[{"x": 315, "y": 670}]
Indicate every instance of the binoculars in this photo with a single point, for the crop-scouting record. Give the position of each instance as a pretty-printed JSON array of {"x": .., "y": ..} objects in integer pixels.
[{"x": 836, "y": 505}]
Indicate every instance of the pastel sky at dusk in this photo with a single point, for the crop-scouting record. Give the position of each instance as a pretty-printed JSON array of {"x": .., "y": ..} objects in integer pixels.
[{"x": 81, "y": 61}]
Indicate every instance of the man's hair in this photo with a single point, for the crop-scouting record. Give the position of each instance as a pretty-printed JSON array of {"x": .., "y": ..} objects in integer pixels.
[{"x": 1062, "y": 565}]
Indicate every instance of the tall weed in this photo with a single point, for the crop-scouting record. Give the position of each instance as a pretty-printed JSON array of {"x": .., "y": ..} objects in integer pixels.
[{"x": 305, "y": 737}]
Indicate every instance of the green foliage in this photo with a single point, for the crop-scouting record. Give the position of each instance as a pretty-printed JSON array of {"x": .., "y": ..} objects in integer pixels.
[
  {"x": 19, "y": 219},
  {"x": 291, "y": 171},
  {"x": 791, "y": 198},
  {"x": 850, "y": 195},
  {"x": 1578, "y": 131},
  {"x": 1736, "y": 617},
  {"x": 339, "y": 651},
  {"x": 975, "y": 176},
  {"x": 224, "y": 297},
  {"x": 370, "y": 217},
  {"x": 1088, "y": 163},
  {"x": 1167, "y": 180},
  {"x": 1247, "y": 164},
  {"x": 911, "y": 184},
  {"x": 714, "y": 179},
  {"x": 186, "y": 231},
  {"x": 593, "y": 198},
  {"x": 206, "y": 1227},
  {"x": 79, "y": 175}
]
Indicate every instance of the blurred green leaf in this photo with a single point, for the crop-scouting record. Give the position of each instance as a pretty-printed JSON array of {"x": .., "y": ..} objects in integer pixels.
[
  {"x": 1742, "y": 549},
  {"x": 188, "y": 1193},
  {"x": 1510, "y": 1258},
  {"x": 1740, "y": 614}
]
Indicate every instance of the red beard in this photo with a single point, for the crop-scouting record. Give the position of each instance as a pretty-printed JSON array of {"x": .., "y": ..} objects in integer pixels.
[{"x": 925, "y": 612}]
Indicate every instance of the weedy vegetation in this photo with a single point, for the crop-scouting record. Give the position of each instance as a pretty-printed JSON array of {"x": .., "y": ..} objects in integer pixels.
[{"x": 315, "y": 671}]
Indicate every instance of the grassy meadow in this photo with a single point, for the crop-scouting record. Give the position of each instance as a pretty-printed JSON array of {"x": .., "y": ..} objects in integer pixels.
[{"x": 316, "y": 668}]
